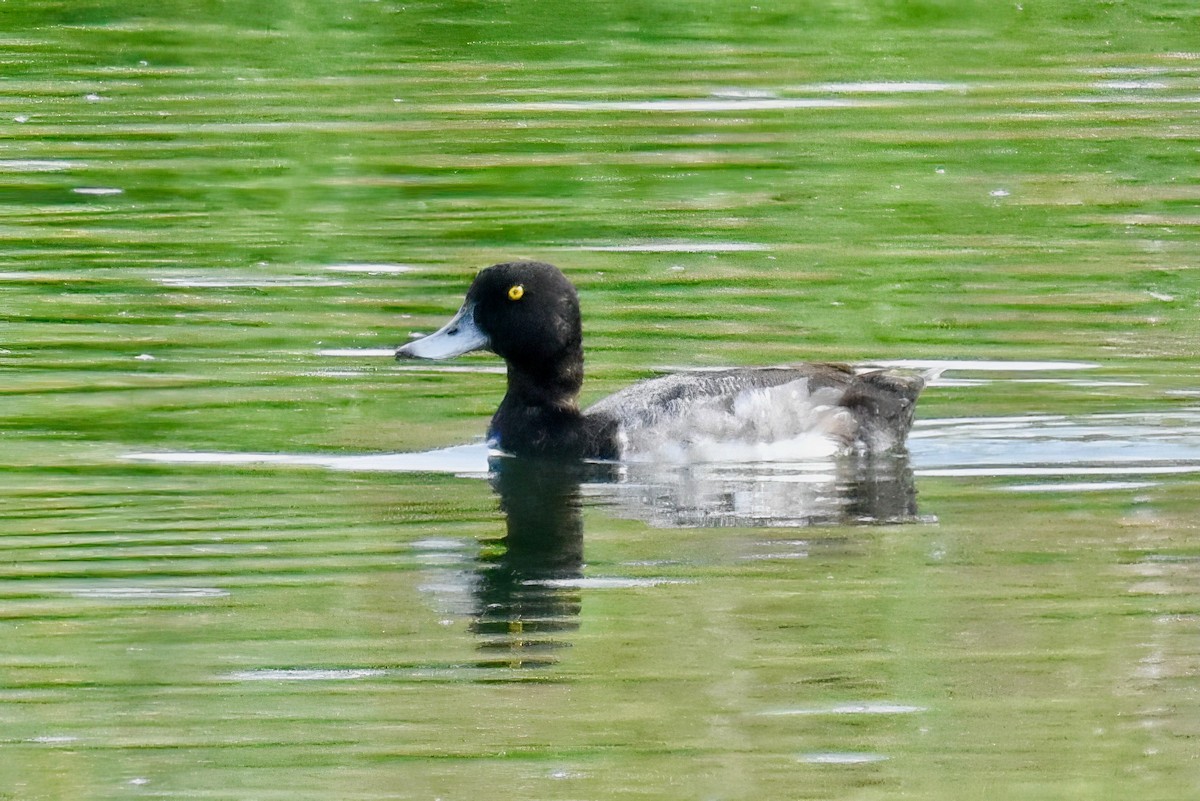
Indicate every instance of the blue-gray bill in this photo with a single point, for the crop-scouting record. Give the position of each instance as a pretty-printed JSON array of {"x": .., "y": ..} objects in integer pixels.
[{"x": 455, "y": 338}]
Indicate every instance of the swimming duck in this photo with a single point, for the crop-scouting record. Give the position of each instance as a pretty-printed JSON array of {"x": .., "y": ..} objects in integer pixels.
[{"x": 527, "y": 313}]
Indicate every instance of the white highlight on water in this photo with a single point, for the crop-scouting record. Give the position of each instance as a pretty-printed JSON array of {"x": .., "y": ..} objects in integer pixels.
[
  {"x": 695, "y": 104},
  {"x": 1080, "y": 486},
  {"x": 841, "y": 758},
  {"x": 371, "y": 269},
  {"x": 677, "y": 247},
  {"x": 1065, "y": 470},
  {"x": 984, "y": 365},
  {"x": 865, "y": 708},
  {"x": 36, "y": 165},
  {"x": 462, "y": 459},
  {"x": 306, "y": 674},
  {"x": 237, "y": 282},
  {"x": 148, "y": 593},
  {"x": 355, "y": 353},
  {"x": 891, "y": 87},
  {"x": 605, "y": 583}
]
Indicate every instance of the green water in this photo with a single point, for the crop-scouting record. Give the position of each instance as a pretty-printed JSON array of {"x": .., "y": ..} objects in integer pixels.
[{"x": 212, "y": 213}]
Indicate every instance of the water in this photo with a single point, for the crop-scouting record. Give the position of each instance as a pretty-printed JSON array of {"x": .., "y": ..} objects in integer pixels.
[{"x": 244, "y": 554}]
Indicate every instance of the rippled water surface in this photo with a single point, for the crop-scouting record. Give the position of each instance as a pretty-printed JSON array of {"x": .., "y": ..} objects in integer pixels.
[{"x": 244, "y": 554}]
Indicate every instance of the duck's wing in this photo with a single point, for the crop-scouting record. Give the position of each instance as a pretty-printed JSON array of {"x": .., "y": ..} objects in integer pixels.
[{"x": 651, "y": 397}]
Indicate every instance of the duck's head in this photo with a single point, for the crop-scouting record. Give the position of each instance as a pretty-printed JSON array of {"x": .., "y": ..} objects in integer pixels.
[{"x": 524, "y": 311}]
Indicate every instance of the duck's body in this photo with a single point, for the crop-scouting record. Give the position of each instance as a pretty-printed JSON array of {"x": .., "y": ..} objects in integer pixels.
[
  {"x": 528, "y": 313},
  {"x": 699, "y": 412}
]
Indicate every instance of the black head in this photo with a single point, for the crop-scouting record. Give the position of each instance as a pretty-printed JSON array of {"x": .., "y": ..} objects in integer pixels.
[
  {"x": 528, "y": 310},
  {"x": 524, "y": 311}
]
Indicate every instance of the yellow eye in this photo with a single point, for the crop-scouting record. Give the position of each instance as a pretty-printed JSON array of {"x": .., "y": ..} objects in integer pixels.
[{"x": 516, "y": 292}]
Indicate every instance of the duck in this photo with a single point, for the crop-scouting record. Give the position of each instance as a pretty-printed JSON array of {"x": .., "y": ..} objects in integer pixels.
[{"x": 528, "y": 314}]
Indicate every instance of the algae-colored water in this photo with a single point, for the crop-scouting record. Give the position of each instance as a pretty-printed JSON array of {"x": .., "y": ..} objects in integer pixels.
[{"x": 225, "y": 574}]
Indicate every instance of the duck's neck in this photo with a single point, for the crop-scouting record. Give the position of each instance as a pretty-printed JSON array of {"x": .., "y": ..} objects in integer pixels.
[
  {"x": 552, "y": 385},
  {"x": 540, "y": 411}
]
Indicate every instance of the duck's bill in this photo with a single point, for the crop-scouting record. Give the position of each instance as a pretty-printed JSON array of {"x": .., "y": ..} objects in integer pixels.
[{"x": 455, "y": 338}]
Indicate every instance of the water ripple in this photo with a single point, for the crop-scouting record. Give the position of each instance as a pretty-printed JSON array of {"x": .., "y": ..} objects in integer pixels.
[
  {"x": 305, "y": 674},
  {"x": 865, "y": 708},
  {"x": 668, "y": 105}
]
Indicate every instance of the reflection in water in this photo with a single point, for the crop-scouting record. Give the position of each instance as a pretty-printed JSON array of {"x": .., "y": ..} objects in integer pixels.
[
  {"x": 527, "y": 583},
  {"x": 524, "y": 593},
  {"x": 854, "y": 489}
]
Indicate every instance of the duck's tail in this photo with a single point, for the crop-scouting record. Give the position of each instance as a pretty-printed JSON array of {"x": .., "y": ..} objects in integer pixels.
[{"x": 883, "y": 403}]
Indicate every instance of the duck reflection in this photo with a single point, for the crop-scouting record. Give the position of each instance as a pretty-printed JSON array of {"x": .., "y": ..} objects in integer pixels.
[
  {"x": 527, "y": 582},
  {"x": 856, "y": 489},
  {"x": 526, "y": 587}
]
